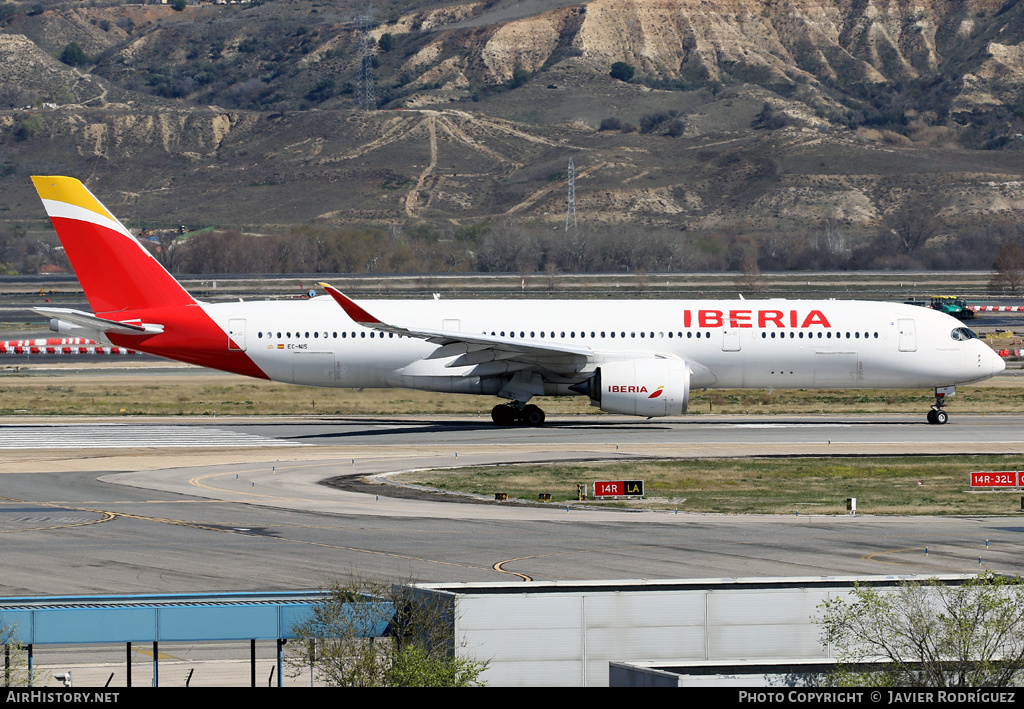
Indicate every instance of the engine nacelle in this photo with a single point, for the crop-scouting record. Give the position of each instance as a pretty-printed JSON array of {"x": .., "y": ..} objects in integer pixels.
[{"x": 642, "y": 387}]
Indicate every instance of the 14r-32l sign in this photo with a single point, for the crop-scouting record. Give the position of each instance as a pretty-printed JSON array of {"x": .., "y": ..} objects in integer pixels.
[
  {"x": 619, "y": 488},
  {"x": 997, "y": 478}
]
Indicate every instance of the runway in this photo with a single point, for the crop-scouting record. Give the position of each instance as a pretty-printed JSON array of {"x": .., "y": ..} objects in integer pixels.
[{"x": 247, "y": 512}]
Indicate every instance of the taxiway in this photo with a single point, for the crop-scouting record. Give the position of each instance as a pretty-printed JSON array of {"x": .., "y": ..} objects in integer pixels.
[{"x": 92, "y": 507}]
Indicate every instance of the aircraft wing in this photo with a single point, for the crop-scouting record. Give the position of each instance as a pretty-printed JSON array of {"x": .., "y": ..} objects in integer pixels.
[{"x": 477, "y": 349}]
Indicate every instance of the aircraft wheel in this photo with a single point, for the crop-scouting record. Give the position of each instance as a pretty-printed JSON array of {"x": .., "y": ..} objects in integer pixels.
[
  {"x": 931, "y": 415},
  {"x": 941, "y": 417},
  {"x": 533, "y": 415},
  {"x": 503, "y": 415}
]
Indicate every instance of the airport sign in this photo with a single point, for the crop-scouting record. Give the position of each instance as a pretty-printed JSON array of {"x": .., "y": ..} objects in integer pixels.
[
  {"x": 1001, "y": 478},
  {"x": 619, "y": 488}
]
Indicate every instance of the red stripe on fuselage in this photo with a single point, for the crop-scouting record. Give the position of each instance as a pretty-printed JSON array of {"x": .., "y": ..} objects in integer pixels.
[{"x": 190, "y": 335}]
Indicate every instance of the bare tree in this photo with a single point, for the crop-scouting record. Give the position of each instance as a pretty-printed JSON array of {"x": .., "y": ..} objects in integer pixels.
[
  {"x": 831, "y": 239},
  {"x": 1009, "y": 268},
  {"x": 508, "y": 248},
  {"x": 750, "y": 280},
  {"x": 551, "y": 276},
  {"x": 913, "y": 224}
]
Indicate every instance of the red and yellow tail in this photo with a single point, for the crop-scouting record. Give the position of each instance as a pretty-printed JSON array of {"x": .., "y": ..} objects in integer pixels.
[{"x": 117, "y": 273}]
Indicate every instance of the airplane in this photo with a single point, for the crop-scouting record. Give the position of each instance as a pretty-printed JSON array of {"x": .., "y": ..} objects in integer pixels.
[{"x": 634, "y": 357}]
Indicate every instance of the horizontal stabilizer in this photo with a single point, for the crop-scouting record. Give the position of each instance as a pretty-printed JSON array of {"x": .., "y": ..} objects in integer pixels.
[{"x": 88, "y": 321}]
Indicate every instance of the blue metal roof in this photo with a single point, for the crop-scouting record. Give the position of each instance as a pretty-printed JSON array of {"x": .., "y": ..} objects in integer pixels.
[{"x": 160, "y": 617}]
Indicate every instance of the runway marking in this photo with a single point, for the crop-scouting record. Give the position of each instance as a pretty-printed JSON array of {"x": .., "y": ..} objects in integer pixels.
[
  {"x": 524, "y": 577},
  {"x": 159, "y": 655},
  {"x": 104, "y": 517},
  {"x": 45, "y": 436},
  {"x": 197, "y": 482},
  {"x": 871, "y": 557}
]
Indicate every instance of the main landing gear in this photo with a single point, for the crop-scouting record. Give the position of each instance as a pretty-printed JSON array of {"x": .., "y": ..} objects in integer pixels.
[
  {"x": 517, "y": 413},
  {"x": 936, "y": 415}
]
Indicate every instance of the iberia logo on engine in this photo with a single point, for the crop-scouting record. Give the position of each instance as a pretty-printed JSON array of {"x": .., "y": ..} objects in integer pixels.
[{"x": 621, "y": 389}]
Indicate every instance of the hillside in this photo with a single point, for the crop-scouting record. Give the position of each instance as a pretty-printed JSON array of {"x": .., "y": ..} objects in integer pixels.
[{"x": 778, "y": 125}]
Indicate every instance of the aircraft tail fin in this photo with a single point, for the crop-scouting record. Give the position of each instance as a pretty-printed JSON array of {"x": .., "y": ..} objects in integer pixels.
[{"x": 116, "y": 272}]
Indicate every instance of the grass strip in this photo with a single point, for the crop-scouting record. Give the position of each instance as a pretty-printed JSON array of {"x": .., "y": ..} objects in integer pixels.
[{"x": 933, "y": 485}]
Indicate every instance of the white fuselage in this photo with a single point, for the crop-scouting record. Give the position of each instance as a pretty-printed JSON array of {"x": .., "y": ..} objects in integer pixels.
[{"x": 734, "y": 343}]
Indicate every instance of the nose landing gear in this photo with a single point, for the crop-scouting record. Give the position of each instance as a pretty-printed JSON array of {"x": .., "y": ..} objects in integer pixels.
[{"x": 937, "y": 415}]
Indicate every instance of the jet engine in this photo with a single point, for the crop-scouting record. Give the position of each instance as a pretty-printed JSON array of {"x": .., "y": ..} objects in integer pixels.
[{"x": 640, "y": 387}]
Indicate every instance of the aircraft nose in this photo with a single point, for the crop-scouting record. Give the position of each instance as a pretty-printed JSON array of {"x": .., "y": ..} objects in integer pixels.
[{"x": 997, "y": 363}]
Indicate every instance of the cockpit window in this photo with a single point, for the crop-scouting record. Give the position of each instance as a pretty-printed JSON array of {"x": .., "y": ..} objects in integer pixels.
[{"x": 963, "y": 333}]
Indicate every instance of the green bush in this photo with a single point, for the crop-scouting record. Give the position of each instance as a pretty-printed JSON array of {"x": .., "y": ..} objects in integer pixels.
[
  {"x": 28, "y": 128},
  {"x": 622, "y": 71},
  {"x": 74, "y": 55}
]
